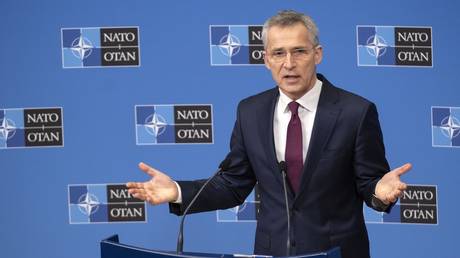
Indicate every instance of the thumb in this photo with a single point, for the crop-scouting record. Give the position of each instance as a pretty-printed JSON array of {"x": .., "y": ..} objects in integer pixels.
[
  {"x": 403, "y": 169},
  {"x": 148, "y": 169}
]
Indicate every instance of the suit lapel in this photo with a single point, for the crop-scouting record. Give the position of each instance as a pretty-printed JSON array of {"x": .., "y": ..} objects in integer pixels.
[
  {"x": 325, "y": 119},
  {"x": 266, "y": 130}
]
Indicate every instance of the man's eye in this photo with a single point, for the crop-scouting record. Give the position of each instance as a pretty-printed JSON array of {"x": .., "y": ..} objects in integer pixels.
[
  {"x": 278, "y": 53},
  {"x": 300, "y": 51}
]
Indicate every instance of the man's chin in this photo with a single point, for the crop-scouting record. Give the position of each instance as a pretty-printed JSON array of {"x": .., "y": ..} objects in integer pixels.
[{"x": 294, "y": 92}]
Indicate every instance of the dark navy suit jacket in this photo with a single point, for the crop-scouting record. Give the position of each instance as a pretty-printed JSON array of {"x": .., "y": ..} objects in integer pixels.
[{"x": 345, "y": 159}]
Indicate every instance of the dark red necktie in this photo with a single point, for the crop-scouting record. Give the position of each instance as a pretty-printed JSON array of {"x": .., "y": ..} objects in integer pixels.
[{"x": 294, "y": 156}]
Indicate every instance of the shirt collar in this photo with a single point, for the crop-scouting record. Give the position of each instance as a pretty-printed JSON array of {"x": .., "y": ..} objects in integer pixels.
[{"x": 308, "y": 101}]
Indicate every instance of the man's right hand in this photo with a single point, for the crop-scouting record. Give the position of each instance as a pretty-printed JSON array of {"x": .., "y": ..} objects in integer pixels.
[{"x": 159, "y": 189}]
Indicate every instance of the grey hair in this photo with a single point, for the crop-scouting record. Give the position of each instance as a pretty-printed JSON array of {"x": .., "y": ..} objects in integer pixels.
[{"x": 287, "y": 18}]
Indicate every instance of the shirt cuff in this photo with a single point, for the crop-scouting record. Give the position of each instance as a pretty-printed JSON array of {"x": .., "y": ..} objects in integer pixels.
[
  {"x": 179, "y": 194},
  {"x": 378, "y": 204}
]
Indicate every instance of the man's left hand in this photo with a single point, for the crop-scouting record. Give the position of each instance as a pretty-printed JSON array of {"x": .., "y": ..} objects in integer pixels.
[{"x": 390, "y": 186}]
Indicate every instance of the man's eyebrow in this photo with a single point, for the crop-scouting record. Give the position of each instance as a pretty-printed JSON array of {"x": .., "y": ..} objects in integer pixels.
[
  {"x": 281, "y": 48},
  {"x": 277, "y": 49}
]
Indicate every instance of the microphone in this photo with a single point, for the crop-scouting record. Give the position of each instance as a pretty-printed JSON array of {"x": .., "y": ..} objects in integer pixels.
[
  {"x": 283, "y": 168},
  {"x": 224, "y": 165}
]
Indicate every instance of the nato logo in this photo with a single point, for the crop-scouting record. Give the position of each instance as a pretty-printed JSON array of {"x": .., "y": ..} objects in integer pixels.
[
  {"x": 418, "y": 205},
  {"x": 246, "y": 212},
  {"x": 100, "y": 47},
  {"x": 236, "y": 45},
  {"x": 104, "y": 203},
  {"x": 394, "y": 46},
  {"x": 445, "y": 126},
  {"x": 173, "y": 124},
  {"x": 31, "y": 127}
]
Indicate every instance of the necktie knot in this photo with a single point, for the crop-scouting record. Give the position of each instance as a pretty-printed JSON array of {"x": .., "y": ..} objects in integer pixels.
[{"x": 294, "y": 107}]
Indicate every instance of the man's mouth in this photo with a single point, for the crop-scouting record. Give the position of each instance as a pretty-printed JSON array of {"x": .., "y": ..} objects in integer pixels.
[{"x": 291, "y": 77}]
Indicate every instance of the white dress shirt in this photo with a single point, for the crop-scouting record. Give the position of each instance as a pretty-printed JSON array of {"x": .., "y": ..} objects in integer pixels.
[{"x": 307, "y": 112}]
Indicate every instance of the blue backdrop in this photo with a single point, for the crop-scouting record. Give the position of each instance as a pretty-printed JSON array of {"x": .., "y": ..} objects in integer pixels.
[{"x": 174, "y": 54}]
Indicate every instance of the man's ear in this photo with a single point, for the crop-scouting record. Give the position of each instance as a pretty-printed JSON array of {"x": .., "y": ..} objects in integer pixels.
[{"x": 318, "y": 54}]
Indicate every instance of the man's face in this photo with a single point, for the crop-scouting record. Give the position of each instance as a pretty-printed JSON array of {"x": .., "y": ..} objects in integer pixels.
[{"x": 292, "y": 59}]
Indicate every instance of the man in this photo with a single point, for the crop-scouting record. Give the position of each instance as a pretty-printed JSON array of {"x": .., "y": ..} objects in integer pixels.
[{"x": 330, "y": 139}]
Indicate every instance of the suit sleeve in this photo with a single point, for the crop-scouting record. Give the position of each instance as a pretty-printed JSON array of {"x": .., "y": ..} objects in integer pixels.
[
  {"x": 228, "y": 189},
  {"x": 370, "y": 164}
]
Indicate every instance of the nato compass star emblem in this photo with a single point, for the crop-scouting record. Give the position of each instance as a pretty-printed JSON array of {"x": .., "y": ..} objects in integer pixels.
[
  {"x": 88, "y": 204},
  {"x": 7, "y": 129},
  {"x": 376, "y": 46},
  {"x": 229, "y": 45},
  {"x": 81, "y": 47},
  {"x": 450, "y": 127},
  {"x": 155, "y": 124}
]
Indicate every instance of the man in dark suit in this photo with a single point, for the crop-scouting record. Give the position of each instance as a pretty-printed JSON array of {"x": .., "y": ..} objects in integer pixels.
[{"x": 330, "y": 139}]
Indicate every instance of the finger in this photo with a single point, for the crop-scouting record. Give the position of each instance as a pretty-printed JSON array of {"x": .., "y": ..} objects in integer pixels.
[
  {"x": 139, "y": 196},
  {"x": 137, "y": 191},
  {"x": 148, "y": 169},
  {"x": 134, "y": 185},
  {"x": 402, "y": 186},
  {"x": 403, "y": 169},
  {"x": 392, "y": 197},
  {"x": 143, "y": 196},
  {"x": 134, "y": 191},
  {"x": 395, "y": 195},
  {"x": 131, "y": 185}
]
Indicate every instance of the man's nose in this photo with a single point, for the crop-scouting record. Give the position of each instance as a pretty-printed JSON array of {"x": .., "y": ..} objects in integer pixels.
[{"x": 289, "y": 62}]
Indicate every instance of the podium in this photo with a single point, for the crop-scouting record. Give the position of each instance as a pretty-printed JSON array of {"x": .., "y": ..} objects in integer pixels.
[{"x": 112, "y": 248}]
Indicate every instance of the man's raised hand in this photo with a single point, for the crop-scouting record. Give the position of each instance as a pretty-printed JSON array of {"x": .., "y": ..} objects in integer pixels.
[
  {"x": 390, "y": 186},
  {"x": 159, "y": 189}
]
